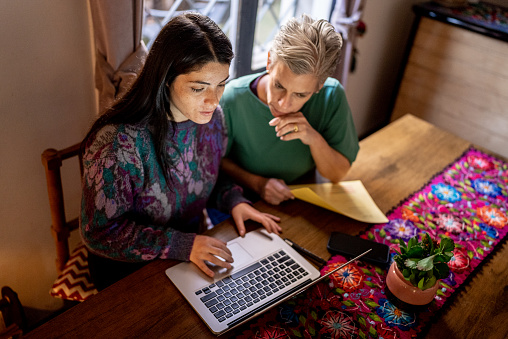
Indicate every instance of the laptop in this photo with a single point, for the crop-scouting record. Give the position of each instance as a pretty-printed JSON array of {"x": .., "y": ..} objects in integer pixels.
[{"x": 266, "y": 271}]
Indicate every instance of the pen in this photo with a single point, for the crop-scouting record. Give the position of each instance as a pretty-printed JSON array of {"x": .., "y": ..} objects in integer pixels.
[{"x": 305, "y": 252}]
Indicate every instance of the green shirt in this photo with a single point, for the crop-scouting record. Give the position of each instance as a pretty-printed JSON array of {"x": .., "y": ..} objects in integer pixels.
[{"x": 253, "y": 145}]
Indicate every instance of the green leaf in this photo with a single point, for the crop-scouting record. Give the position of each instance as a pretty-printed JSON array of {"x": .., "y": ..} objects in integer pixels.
[
  {"x": 412, "y": 242},
  {"x": 469, "y": 229},
  {"x": 439, "y": 292},
  {"x": 374, "y": 317},
  {"x": 348, "y": 303},
  {"x": 448, "y": 287},
  {"x": 480, "y": 250},
  {"x": 366, "y": 271},
  {"x": 339, "y": 291},
  {"x": 485, "y": 243},
  {"x": 379, "y": 270},
  {"x": 302, "y": 319},
  {"x": 415, "y": 252},
  {"x": 470, "y": 254},
  {"x": 441, "y": 270},
  {"x": 370, "y": 235},
  {"x": 313, "y": 314},
  {"x": 361, "y": 320},
  {"x": 411, "y": 263},
  {"x": 382, "y": 233},
  {"x": 361, "y": 334},
  {"x": 426, "y": 264},
  {"x": 446, "y": 245},
  {"x": 296, "y": 333},
  {"x": 372, "y": 331},
  {"x": 430, "y": 282},
  {"x": 369, "y": 283},
  {"x": 466, "y": 221},
  {"x": 312, "y": 331},
  {"x": 371, "y": 303}
]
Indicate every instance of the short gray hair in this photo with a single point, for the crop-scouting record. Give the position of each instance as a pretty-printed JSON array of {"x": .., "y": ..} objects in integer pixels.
[{"x": 307, "y": 46}]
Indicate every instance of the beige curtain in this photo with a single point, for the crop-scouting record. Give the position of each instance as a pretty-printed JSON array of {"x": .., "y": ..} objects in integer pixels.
[
  {"x": 120, "y": 52},
  {"x": 345, "y": 17}
]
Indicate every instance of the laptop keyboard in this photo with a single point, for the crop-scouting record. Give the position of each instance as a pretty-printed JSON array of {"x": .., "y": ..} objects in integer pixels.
[{"x": 248, "y": 287}]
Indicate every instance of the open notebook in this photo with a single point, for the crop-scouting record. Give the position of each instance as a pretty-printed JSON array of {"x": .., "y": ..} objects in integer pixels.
[{"x": 266, "y": 272}]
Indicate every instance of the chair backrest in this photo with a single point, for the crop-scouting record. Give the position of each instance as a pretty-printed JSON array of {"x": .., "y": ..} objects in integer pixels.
[
  {"x": 13, "y": 319},
  {"x": 52, "y": 160}
]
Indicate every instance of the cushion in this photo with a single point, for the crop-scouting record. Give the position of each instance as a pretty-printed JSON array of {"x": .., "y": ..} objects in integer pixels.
[{"x": 74, "y": 282}]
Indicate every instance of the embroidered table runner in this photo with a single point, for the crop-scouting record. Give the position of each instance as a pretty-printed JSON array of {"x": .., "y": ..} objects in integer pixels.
[{"x": 467, "y": 201}]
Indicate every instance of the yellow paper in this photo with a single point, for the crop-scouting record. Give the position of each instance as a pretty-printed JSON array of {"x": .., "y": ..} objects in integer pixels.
[{"x": 349, "y": 198}]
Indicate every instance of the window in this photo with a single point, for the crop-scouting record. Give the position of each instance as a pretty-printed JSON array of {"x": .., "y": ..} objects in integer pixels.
[{"x": 250, "y": 25}]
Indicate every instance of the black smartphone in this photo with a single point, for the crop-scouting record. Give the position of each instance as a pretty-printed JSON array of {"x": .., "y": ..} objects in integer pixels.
[{"x": 351, "y": 246}]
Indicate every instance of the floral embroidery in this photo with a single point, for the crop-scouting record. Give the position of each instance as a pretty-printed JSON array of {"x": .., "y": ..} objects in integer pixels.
[
  {"x": 486, "y": 187},
  {"x": 489, "y": 231},
  {"x": 459, "y": 261},
  {"x": 466, "y": 201},
  {"x": 479, "y": 162},
  {"x": 449, "y": 223},
  {"x": 492, "y": 216},
  {"x": 338, "y": 325},
  {"x": 446, "y": 192},
  {"x": 272, "y": 332},
  {"x": 401, "y": 229},
  {"x": 394, "y": 316},
  {"x": 347, "y": 278}
]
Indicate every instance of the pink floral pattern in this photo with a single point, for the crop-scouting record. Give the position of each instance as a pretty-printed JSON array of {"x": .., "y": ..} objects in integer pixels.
[{"x": 353, "y": 303}]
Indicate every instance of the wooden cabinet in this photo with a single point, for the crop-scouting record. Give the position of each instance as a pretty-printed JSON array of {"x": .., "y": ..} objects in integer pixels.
[{"x": 457, "y": 78}]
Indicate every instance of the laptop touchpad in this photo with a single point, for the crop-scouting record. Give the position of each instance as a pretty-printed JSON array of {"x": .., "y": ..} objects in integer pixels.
[{"x": 240, "y": 255}]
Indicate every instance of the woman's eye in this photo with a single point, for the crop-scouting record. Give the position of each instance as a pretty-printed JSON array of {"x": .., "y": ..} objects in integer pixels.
[{"x": 197, "y": 89}]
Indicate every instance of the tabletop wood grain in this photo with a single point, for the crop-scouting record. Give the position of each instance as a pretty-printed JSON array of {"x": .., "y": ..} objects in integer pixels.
[{"x": 392, "y": 163}]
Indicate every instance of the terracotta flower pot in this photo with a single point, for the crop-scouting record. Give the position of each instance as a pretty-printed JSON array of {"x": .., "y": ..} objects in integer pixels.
[{"x": 405, "y": 291}]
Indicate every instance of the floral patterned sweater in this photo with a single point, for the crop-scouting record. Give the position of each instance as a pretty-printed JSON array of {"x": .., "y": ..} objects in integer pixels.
[{"x": 129, "y": 212}]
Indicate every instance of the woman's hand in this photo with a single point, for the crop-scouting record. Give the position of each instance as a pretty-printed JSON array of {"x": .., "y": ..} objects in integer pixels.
[
  {"x": 274, "y": 191},
  {"x": 209, "y": 249},
  {"x": 295, "y": 126},
  {"x": 244, "y": 211}
]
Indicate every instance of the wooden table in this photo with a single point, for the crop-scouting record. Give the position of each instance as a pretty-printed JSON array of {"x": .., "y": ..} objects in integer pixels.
[{"x": 392, "y": 163}]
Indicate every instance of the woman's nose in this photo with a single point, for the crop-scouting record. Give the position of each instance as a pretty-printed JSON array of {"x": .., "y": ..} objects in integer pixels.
[
  {"x": 285, "y": 102},
  {"x": 212, "y": 98}
]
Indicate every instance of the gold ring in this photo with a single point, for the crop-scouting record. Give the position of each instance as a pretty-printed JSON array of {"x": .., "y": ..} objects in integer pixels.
[{"x": 296, "y": 128}]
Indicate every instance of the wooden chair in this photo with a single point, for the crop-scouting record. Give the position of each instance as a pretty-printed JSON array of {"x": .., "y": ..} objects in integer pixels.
[
  {"x": 74, "y": 281},
  {"x": 12, "y": 320}
]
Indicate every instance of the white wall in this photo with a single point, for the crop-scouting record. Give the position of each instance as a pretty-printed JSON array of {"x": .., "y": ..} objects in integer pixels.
[{"x": 47, "y": 99}]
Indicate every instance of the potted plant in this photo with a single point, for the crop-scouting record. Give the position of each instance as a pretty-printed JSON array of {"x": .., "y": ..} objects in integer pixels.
[{"x": 415, "y": 272}]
